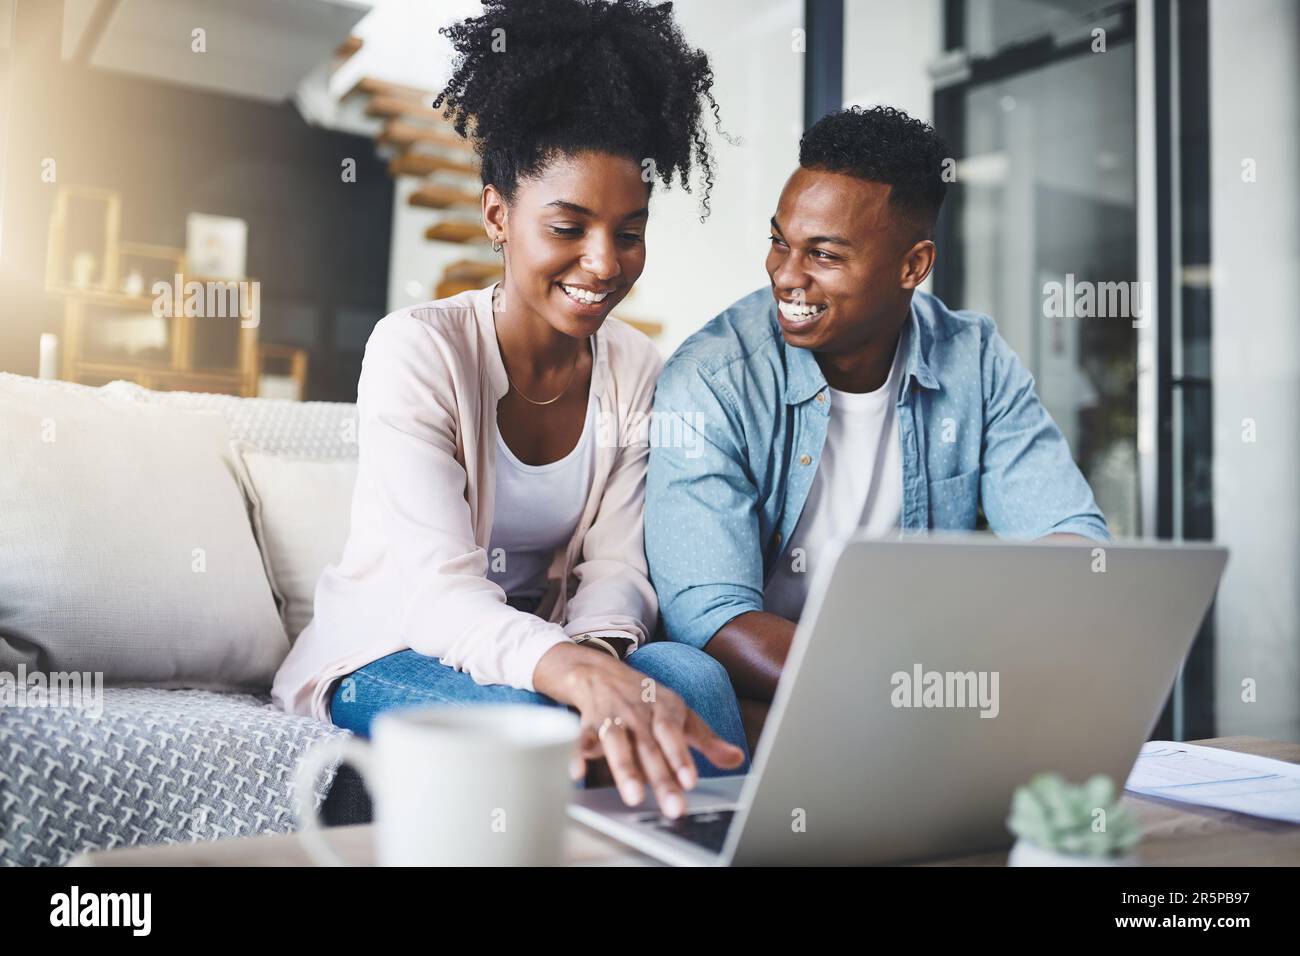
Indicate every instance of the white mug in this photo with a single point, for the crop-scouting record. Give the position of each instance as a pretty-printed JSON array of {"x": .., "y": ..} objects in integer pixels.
[{"x": 483, "y": 785}]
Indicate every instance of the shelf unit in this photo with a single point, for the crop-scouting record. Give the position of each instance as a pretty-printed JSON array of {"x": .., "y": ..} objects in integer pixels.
[{"x": 179, "y": 366}]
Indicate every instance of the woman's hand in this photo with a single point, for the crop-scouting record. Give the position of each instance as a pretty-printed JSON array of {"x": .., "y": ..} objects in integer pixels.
[{"x": 645, "y": 733}]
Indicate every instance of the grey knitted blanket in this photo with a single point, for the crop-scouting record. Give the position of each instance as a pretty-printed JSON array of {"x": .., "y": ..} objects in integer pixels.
[{"x": 157, "y": 766}]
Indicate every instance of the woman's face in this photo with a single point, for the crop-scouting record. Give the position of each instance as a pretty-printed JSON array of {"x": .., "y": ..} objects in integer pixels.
[{"x": 574, "y": 238}]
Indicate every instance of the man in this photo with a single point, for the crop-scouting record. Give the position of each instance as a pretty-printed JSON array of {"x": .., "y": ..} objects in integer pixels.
[{"x": 839, "y": 398}]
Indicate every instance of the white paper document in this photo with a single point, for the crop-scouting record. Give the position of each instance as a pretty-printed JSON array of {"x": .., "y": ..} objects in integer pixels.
[{"x": 1225, "y": 779}]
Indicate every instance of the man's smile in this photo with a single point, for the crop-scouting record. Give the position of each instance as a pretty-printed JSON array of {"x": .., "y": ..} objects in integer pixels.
[{"x": 799, "y": 315}]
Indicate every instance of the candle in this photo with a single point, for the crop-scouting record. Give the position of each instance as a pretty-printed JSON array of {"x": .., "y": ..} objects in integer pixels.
[{"x": 49, "y": 355}]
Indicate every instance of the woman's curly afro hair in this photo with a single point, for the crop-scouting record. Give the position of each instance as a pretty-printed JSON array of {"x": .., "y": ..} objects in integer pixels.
[{"x": 534, "y": 79}]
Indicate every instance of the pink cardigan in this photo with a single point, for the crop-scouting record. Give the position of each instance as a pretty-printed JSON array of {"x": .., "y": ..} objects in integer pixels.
[{"x": 414, "y": 571}]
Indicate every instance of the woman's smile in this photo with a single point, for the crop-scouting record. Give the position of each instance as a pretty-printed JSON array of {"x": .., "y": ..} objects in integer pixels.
[{"x": 584, "y": 302}]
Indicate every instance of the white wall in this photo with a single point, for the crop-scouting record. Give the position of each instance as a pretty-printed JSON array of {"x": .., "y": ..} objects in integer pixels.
[
  {"x": 1255, "y": 114},
  {"x": 695, "y": 270},
  {"x": 888, "y": 48}
]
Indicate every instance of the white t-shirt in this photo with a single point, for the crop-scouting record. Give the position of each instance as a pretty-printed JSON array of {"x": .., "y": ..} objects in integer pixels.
[
  {"x": 537, "y": 510},
  {"x": 859, "y": 484}
]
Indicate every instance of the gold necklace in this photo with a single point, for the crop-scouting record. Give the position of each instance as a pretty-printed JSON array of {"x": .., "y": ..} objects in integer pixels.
[{"x": 572, "y": 372}]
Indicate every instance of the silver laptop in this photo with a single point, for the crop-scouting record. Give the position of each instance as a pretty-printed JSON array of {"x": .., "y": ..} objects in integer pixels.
[{"x": 930, "y": 677}]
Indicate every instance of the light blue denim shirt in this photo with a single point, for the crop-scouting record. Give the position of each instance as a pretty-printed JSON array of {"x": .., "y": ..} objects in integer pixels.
[{"x": 740, "y": 419}]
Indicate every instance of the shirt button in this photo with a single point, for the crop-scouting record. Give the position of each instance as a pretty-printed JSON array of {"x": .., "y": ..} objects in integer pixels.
[
  {"x": 805, "y": 460},
  {"x": 778, "y": 538},
  {"x": 821, "y": 397}
]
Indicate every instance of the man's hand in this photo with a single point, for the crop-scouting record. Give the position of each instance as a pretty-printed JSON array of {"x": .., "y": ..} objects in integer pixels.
[
  {"x": 644, "y": 742},
  {"x": 753, "y": 647}
]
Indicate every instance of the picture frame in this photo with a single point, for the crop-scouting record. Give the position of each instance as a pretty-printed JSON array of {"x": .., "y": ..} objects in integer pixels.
[
  {"x": 216, "y": 246},
  {"x": 82, "y": 248}
]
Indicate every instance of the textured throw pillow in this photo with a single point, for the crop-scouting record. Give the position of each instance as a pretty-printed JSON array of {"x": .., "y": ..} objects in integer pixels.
[
  {"x": 125, "y": 544},
  {"x": 301, "y": 514}
]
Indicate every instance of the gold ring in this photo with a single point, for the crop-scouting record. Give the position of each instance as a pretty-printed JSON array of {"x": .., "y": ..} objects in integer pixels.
[{"x": 608, "y": 723}]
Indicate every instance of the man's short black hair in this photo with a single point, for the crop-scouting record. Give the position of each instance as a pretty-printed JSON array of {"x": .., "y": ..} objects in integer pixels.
[{"x": 883, "y": 145}]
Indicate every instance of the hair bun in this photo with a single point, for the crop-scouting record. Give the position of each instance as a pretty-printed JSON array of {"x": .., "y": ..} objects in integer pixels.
[{"x": 536, "y": 78}]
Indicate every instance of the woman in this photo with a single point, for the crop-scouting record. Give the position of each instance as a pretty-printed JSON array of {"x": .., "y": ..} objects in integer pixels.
[{"x": 496, "y": 549}]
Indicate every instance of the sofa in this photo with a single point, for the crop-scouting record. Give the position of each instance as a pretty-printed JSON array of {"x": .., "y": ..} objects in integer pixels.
[{"x": 168, "y": 541}]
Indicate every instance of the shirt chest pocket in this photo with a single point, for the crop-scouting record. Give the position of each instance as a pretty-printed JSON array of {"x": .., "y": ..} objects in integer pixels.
[{"x": 954, "y": 502}]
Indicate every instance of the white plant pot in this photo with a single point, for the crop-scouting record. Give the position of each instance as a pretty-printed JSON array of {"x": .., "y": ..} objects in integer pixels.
[{"x": 1025, "y": 853}]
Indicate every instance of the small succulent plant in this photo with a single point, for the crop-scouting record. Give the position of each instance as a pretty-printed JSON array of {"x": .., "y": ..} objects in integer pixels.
[{"x": 1063, "y": 818}]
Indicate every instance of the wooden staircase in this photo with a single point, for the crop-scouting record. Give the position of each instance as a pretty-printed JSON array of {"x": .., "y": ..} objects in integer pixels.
[{"x": 421, "y": 143}]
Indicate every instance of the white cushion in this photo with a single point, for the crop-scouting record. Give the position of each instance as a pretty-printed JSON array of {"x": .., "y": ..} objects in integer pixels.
[
  {"x": 301, "y": 516},
  {"x": 308, "y": 429},
  {"x": 125, "y": 544}
]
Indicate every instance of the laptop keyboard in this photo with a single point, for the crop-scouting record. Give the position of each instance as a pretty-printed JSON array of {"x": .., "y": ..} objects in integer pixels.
[{"x": 707, "y": 828}]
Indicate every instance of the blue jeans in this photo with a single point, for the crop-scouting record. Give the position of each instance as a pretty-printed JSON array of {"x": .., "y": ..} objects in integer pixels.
[{"x": 411, "y": 679}]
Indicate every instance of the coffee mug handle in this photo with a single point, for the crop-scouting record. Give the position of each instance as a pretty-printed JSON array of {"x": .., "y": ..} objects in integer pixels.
[{"x": 340, "y": 750}]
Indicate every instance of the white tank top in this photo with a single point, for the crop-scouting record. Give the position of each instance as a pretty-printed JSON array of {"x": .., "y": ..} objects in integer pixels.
[{"x": 538, "y": 508}]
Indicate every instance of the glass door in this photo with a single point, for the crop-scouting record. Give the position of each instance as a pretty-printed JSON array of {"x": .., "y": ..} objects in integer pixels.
[{"x": 1040, "y": 229}]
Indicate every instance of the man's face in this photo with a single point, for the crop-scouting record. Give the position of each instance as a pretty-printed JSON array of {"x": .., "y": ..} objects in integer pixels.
[{"x": 837, "y": 262}]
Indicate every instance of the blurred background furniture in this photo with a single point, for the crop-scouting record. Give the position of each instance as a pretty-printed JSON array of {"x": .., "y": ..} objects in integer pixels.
[{"x": 116, "y": 325}]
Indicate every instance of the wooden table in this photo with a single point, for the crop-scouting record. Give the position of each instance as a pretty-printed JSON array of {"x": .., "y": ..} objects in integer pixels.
[
  {"x": 1179, "y": 834},
  {"x": 582, "y": 847},
  {"x": 1173, "y": 834}
]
